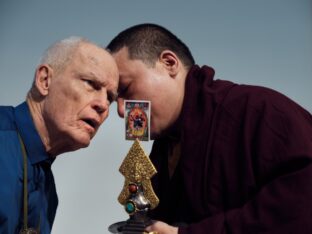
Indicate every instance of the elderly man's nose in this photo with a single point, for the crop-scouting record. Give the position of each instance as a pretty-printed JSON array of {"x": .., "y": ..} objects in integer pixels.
[{"x": 100, "y": 106}]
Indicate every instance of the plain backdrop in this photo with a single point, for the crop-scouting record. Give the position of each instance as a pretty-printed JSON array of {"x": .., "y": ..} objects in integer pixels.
[{"x": 267, "y": 43}]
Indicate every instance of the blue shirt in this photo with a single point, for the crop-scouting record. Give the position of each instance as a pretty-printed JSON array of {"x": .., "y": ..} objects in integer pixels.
[{"x": 42, "y": 197}]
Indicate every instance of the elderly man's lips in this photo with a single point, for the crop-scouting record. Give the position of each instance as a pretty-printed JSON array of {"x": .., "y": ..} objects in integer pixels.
[
  {"x": 87, "y": 127},
  {"x": 91, "y": 122}
]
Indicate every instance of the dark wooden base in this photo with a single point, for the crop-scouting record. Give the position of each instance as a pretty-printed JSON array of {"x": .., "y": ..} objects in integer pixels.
[{"x": 136, "y": 224}]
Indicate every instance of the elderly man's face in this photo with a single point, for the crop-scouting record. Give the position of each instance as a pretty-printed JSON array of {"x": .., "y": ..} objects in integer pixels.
[{"x": 80, "y": 95}]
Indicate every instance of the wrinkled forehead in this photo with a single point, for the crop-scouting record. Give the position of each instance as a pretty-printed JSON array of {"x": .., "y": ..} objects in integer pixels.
[
  {"x": 90, "y": 53},
  {"x": 96, "y": 60}
]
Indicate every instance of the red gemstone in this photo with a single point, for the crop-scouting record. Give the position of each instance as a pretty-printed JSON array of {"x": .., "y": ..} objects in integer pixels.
[{"x": 133, "y": 188}]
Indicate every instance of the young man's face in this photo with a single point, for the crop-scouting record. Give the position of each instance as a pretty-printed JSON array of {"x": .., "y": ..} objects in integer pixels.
[
  {"x": 80, "y": 95},
  {"x": 138, "y": 81}
]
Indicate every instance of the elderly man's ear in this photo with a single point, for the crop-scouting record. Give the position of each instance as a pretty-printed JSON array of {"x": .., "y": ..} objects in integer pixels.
[{"x": 43, "y": 78}]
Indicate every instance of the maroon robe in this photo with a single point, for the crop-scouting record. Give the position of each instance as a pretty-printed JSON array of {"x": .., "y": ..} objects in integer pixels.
[{"x": 245, "y": 164}]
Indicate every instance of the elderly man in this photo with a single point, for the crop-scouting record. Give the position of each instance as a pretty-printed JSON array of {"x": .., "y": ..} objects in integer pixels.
[
  {"x": 230, "y": 158},
  {"x": 73, "y": 87}
]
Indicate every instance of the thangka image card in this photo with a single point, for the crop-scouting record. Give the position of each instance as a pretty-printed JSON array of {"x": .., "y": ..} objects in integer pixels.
[{"x": 137, "y": 117}]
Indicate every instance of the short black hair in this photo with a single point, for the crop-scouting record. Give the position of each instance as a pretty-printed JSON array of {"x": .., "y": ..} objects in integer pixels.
[{"x": 147, "y": 41}]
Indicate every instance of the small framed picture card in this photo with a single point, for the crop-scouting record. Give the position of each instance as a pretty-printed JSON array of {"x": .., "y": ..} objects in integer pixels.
[{"x": 137, "y": 119}]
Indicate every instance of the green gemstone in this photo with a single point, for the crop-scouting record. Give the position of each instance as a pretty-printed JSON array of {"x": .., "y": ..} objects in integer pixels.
[{"x": 130, "y": 207}]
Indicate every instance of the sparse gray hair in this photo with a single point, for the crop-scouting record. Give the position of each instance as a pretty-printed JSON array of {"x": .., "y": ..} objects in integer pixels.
[
  {"x": 60, "y": 53},
  {"x": 57, "y": 56}
]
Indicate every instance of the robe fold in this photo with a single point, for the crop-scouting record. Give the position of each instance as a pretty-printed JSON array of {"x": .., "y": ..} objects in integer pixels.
[{"x": 245, "y": 163}]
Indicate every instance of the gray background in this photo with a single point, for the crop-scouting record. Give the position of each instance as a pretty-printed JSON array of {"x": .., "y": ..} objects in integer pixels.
[{"x": 267, "y": 42}]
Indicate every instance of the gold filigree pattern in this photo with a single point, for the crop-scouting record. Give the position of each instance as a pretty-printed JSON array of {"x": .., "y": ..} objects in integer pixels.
[{"x": 138, "y": 168}]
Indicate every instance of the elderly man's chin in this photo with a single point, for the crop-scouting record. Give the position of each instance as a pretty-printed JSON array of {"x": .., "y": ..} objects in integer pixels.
[{"x": 81, "y": 139}]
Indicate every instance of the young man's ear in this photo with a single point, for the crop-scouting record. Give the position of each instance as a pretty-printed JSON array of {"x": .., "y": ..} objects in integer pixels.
[
  {"x": 43, "y": 79},
  {"x": 170, "y": 61}
]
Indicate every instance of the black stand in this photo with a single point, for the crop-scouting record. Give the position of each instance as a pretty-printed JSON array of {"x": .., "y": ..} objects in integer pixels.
[{"x": 136, "y": 224}]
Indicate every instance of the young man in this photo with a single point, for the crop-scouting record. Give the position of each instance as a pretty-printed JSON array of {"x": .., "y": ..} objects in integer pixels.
[
  {"x": 230, "y": 158},
  {"x": 73, "y": 87}
]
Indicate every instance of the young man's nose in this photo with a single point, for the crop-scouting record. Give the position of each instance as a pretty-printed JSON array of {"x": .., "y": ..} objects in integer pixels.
[{"x": 120, "y": 107}]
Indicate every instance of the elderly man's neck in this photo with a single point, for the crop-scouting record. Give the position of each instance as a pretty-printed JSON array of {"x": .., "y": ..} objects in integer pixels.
[{"x": 53, "y": 148}]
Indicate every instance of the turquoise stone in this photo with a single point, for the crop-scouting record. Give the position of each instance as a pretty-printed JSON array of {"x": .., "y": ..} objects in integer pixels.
[{"x": 130, "y": 207}]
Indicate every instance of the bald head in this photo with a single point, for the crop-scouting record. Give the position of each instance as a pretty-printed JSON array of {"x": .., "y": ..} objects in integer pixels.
[{"x": 60, "y": 53}]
